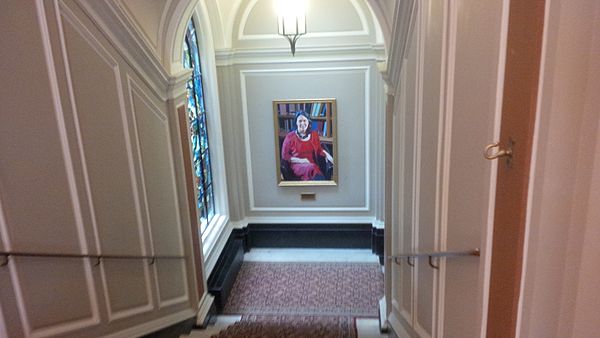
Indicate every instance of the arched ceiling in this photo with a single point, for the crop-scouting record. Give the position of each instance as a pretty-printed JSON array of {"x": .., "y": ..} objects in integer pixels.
[{"x": 329, "y": 23}]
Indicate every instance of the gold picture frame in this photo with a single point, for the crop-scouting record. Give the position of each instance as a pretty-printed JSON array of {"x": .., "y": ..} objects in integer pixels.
[{"x": 316, "y": 133}]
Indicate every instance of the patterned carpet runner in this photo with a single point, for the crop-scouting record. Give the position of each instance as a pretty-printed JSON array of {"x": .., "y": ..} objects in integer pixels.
[{"x": 303, "y": 299}]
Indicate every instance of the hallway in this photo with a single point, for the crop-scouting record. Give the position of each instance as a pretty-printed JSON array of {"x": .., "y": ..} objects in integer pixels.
[
  {"x": 319, "y": 292},
  {"x": 369, "y": 131}
]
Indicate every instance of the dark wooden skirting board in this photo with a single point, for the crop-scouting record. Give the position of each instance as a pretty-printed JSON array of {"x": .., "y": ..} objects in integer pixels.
[
  {"x": 176, "y": 330},
  {"x": 226, "y": 269}
]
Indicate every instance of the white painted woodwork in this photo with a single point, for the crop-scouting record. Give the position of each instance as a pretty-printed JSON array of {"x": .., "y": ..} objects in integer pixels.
[
  {"x": 53, "y": 304},
  {"x": 128, "y": 287},
  {"x": 559, "y": 287},
  {"x": 158, "y": 176},
  {"x": 446, "y": 108},
  {"x": 45, "y": 186},
  {"x": 171, "y": 282},
  {"x": 87, "y": 167},
  {"x": 102, "y": 141}
]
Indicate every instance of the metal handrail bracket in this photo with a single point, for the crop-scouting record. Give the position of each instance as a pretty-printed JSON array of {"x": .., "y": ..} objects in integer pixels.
[{"x": 398, "y": 257}]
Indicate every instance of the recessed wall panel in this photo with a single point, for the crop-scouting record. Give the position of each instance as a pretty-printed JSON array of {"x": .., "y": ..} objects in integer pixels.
[
  {"x": 159, "y": 178},
  {"x": 47, "y": 298},
  {"x": 103, "y": 139},
  {"x": 127, "y": 286},
  {"x": 348, "y": 87},
  {"x": 171, "y": 281},
  {"x": 34, "y": 186}
]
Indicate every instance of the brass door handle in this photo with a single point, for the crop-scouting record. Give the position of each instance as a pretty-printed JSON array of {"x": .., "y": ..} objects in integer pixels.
[{"x": 487, "y": 153}]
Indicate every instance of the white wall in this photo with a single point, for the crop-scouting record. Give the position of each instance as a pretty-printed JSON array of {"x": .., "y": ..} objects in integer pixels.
[
  {"x": 88, "y": 151},
  {"x": 559, "y": 289},
  {"x": 446, "y": 106},
  {"x": 259, "y": 69}
]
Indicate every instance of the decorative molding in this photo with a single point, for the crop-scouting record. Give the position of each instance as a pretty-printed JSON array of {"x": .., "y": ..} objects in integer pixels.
[
  {"x": 136, "y": 88},
  {"x": 175, "y": 300},
  {"x": 153, "y": 325},
  {"x": 245, "y": 56},
  {"x": 420, "y": 35},
  {"x": 55, "y": 328},
  {"x": 177, "y": 84},
  {"x": 404, "y": 17},
  {"x": 400, "y": 326},
  {"x": 106, "y": 57},
  {"x": 367, "y": 126},
  {"x": 212, "y": 250},
  {"x": 137, "y": 53},
  {"x": 174, "y": 34},
  {"x": 204, "y": 307},
  {"x": 383, "y": 19},
  {"x": 450, "y": 30}
]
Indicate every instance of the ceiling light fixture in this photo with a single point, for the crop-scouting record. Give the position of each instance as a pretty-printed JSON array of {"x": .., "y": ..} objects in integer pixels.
[{"x": 291, "y": 20}]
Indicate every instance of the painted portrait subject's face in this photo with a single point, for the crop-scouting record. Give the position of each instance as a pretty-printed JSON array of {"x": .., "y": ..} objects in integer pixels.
[{"x": 302, "y": 124}]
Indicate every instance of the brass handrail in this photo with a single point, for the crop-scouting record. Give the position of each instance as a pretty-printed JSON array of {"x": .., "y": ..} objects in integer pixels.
[{"x": 7, "y": 254}]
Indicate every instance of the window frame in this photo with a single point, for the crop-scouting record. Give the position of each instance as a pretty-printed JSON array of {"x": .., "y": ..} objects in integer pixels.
[{"x": 210, "y": 238}]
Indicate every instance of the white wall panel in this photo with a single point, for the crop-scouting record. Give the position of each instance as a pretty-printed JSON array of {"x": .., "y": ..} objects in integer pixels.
[
  {"x": 48, "y": 303},
  {"x": 349, "y": 88},
  {"x": 159, "y": 180},
  {"x": 409, "y": 187},
  {"x": 103, "y": 140},
  {"x": 33, "y": 172},
  {"x": 430, "y": 149},
  {"x": 127, "y": 287},
  {"x": 172, "y": 284}
]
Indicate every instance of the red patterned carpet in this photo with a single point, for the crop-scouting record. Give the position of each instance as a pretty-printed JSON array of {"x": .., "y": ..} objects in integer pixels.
[{"x": 303, "y": 299}]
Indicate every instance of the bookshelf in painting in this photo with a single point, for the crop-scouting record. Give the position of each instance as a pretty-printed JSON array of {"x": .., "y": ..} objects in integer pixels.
[{"x": 321, "y": 113}]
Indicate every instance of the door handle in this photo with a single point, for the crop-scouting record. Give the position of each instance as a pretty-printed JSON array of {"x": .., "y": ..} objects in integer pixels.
[{"x": 489, "y": 154}]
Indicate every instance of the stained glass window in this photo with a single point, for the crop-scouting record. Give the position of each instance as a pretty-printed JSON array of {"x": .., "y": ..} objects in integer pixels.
[{"x": 198, "y": 130}]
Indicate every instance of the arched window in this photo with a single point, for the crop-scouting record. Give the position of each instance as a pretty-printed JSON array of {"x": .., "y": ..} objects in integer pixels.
[{"x": 198, "y": 130}]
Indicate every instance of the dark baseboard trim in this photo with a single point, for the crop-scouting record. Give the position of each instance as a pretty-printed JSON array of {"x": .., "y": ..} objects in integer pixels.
[
  {"x": 175, "y": 330},
  {"x": 377, "y": 243},
  {"x": 333, "y": 236},
  {"x": 226, "y": 269}
]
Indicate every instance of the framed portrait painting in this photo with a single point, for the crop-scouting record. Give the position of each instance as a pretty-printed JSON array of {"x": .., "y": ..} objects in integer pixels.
[{"x": 305, "y": 142}]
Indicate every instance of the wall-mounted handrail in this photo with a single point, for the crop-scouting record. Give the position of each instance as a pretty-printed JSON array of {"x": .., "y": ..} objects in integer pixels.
[
  {"x": 431, "y": 255},
  {"x": 5, "y": 255}
]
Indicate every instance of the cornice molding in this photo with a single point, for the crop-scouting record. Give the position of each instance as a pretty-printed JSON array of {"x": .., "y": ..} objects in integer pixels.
[
  {"x": 130, "y": 43},
  {"x": 177, "y": 84},
  {"x": 367, "y": 52},
  {"x": 404, "y": 18}
]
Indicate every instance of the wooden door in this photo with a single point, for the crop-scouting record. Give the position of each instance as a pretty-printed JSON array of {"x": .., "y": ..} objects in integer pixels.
[{"x": 447, "y": 107}]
